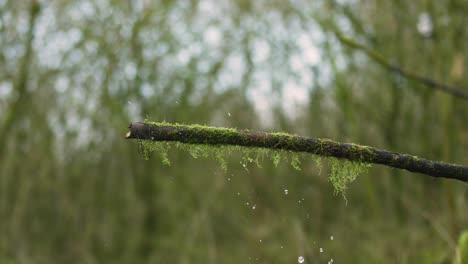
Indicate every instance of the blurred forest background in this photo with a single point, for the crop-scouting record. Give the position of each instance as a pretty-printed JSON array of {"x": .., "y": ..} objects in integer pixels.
[{"x": 74, "y": 74}]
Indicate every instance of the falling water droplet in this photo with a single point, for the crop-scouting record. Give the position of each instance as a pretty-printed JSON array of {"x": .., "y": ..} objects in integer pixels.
[
  {"x": 321, "y": 250},
  {"x": 229, "y": 114},
  {"x": 331, "y": 238},
  {"x": 300, "y": 259},
  {"x": 254, "y": 206},
  {"x": 238, "y": 193},
  {"x": 286, "y": 191},
  {"x": 425, "y": 25}
]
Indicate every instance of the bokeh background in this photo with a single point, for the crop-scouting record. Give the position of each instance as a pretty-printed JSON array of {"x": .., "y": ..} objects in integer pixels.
[{"x": 74, "y": 73}]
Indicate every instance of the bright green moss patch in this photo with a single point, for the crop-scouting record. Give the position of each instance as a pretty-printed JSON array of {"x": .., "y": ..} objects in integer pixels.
[
  {"x": 361, "y": 151},
  {"x": 463, "y": 247},
  {"x": 147, "y": 148},
  {"x": 342, "y": 172},
  {"x": 295, "y": 161},
  {"x": 219, "y": 152}
]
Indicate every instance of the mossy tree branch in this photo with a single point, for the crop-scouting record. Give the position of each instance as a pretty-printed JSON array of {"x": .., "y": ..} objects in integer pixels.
[
  {"x": 377, "y": 57},
  {"x": 196, "y": 134}
]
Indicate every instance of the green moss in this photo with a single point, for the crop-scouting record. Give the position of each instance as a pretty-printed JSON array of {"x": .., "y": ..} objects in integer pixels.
[
  {"x": 342, "y": 172},
  {"x": 359, "y": 152},
  {"x": 220, "y": 132},
  {"x": 295, "y": 162},
  {"x": 276, "y": 158},
  {"x": 463, "y": 247},
  {"x": 147, "y": 147},
  {"x": 324, "y": 144},
  {"x": 318, "y": 162}
]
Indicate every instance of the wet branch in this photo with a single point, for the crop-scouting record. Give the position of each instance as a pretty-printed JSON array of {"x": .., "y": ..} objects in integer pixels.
[
  {"x": 196, "y": 134},
  {"x": 455, "y": 91}
]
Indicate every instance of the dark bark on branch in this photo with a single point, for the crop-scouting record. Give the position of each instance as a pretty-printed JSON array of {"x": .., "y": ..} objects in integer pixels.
[{"x": 322, "y": 147}]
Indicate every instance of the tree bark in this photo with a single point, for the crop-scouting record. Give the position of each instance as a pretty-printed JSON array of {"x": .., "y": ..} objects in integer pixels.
[{"x": 195, "y": 134}]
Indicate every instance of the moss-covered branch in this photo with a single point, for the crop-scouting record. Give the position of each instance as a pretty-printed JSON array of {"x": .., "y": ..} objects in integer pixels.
[
  {"x": 455, "y": 91},
  {"x": 196, "y": 134}
]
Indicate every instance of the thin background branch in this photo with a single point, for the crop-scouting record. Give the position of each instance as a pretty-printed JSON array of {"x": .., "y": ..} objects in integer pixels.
[{"x": 377, "y": 57}]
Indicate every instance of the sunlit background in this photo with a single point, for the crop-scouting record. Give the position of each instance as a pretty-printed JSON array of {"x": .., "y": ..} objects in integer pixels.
[{"x": 74, "y": 74}]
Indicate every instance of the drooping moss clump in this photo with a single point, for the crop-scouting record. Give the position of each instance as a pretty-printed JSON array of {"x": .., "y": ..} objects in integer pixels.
[
  {"x": 342, "y": 172},
  {"x": 219, "y": 152}
]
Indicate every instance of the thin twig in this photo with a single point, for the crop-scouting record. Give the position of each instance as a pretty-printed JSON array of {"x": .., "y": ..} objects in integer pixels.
[
  {"x": 196, "y": 134},
  {"x": 455, "y": 91}
]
